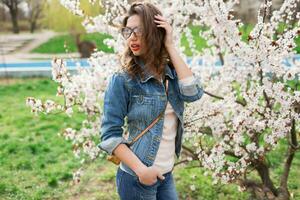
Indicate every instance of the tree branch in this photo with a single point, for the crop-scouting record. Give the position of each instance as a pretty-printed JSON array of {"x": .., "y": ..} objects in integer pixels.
[
  {"x": 265, "y": 10},
  {"x": 293, "y": 146},
  {"x": 263, "y": 171},
  {"x": 195, "y": 156},
  {"x": 218, "y": 97},
  {"x": 180, "y": 162}
]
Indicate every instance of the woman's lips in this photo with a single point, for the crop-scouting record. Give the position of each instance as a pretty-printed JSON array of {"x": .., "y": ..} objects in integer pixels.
[{"x": 135, "y": 47}]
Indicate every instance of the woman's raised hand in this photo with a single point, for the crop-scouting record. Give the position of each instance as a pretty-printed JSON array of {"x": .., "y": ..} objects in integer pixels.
[{"x": 162, "y": 22}]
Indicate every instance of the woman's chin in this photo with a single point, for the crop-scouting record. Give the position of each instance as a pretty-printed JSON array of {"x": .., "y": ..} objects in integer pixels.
[{"x": 136, "y": 53}]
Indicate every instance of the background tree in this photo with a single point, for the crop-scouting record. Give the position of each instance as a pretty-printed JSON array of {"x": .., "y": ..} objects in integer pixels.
[
  {"x": 70, "y": 22},
  {"x": 35, "y": 8},
  {"x": 12, "y": 5}
]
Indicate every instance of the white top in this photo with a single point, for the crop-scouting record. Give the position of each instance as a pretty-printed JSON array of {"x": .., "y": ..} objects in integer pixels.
[{"x": 165, "y": 157}]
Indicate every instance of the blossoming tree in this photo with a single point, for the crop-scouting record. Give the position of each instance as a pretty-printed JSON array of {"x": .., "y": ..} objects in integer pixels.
[{"x": 252, "y": 100}]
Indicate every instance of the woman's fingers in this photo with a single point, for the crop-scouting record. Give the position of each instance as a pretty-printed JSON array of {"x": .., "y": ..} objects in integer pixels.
[
  {"x": 160, "y": 22},
  {"x": 160, "y": 17},
  {"x": 162, "y": 26},
  {"x": 160, "y": 176},
  {"x": 163, "y": 23}
]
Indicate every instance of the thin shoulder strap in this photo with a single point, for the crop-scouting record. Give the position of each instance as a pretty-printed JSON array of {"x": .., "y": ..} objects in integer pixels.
[{"x": 154, "y": 121}]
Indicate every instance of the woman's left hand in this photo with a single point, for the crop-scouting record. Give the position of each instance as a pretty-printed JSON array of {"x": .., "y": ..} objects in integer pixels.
[{"x": 162, "y": 22}]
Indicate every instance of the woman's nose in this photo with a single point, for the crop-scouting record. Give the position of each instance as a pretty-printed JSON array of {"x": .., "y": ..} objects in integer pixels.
[{"x": 132, "y": 36}]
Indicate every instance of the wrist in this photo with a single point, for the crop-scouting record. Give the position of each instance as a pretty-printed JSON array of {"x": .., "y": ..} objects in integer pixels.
[
  {"x": 170, "y": 46},
  {"x": 140, "y": 169}
]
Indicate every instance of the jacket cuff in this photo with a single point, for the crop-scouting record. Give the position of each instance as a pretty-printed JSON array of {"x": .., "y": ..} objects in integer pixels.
[
  {"x": 188, "y": 85},
  {"x": 110, "y": 144}
]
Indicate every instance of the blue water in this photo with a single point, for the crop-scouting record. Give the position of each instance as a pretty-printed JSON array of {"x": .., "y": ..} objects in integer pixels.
[
  {"x": 46, "y": 63},
  {"x": 84, "y": 63}
]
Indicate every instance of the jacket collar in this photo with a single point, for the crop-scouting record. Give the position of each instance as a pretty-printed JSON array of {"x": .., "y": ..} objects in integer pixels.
[{"x": 148, "y": 75}]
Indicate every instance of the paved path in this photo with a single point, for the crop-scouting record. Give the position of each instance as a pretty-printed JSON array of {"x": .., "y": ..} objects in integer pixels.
[
  {"x": 23, "y": 42},
  {"x": 17, "y": 47},
  {"x": 28, "y": 57}
]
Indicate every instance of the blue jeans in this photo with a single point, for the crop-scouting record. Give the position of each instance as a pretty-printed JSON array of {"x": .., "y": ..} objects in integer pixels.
[{"x": 130, "y": 188}]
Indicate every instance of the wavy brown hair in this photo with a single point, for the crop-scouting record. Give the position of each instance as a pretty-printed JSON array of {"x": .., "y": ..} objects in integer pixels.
[{"x": 153, "y": 38}]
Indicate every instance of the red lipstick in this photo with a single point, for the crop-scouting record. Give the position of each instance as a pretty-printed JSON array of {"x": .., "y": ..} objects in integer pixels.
[{"x": 135, "y": 47}]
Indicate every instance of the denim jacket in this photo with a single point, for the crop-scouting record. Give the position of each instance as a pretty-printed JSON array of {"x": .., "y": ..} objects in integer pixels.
[{"x": 142, "y": 100}]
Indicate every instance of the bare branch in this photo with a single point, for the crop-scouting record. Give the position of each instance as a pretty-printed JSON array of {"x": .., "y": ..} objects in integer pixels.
[
  {"x": 290, "y": 156},
  {"x": 194, "y": 155},
  {"x": 180, "y": 162},
  {"x": 222, "y": 98}
]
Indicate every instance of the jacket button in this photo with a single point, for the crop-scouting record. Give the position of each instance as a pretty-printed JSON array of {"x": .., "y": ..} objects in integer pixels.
[
  {"x": 141, "y": 98},
  {"x": 150, "y": 157},
  {"x": 156, "y": 138},
  {"x": 163, "y": 98}
]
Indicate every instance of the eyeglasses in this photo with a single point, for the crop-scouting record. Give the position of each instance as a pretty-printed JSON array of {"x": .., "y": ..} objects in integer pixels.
[{"x": 126, "y": 32}]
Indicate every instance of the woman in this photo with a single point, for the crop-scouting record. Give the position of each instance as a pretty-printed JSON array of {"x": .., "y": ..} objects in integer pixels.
[{"x": 138, "y": 93}]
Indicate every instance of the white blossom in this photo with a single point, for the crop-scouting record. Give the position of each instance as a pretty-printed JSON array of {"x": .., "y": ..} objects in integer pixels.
[{"x": 250, "y": 95}]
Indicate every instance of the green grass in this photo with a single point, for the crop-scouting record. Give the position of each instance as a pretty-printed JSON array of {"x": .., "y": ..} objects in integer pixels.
[
  {"x": 56, "y": 44},
  {"x": 35, "y": 163},
  {"x": 204, "y": 189}
]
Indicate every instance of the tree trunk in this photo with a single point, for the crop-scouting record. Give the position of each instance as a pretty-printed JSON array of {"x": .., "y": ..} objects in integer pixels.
[
  {"x": 264, "y": 174},
  {"x": 260, "y": 195},
  {"x": 14, "y": 20},
  {"x": 260, "y": 191},
  {"x": 264, "y": 190},
  {"x": 32, "y": 27}
]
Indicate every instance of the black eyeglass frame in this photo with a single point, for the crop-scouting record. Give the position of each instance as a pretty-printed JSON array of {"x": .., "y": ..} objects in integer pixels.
[{"x": 136, "y": 30}]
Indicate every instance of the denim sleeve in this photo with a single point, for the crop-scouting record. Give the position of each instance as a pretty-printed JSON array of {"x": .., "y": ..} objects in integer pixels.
[
  {"x": 114, "y": 110},
  {"x": 190, "y": 89}
]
